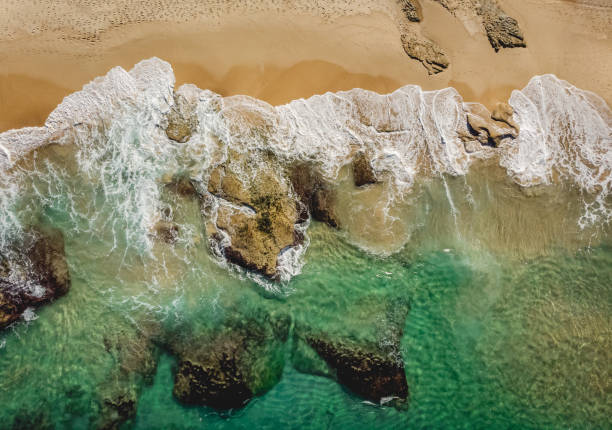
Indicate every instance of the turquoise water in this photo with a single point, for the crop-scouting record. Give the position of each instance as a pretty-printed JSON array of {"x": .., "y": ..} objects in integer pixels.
[{"x": 507, "y": 328}]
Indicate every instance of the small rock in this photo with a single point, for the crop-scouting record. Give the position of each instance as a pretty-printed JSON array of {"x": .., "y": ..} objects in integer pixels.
[
  {"x": 363, "y": 173},
  {"x": 425, "y": 51},
  {"x": 166, "y": 231}
]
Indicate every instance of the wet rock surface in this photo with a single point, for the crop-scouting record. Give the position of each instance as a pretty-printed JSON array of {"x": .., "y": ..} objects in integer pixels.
[
  {"x": 182, "y": 119},
  {"x": 316, "y": 195},
  {"x": 32, "y": 274},
  {"x": 363, "y": 172},
  {"x": 256, "y": 213},
  {"x": 484, "y": 128}
]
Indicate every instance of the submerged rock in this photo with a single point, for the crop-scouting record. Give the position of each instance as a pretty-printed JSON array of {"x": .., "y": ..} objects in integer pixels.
[
  {"x": 316, "y": 195},
  {"x": 425, "y": 51},
  {"x": 225, "y": 369},
  {"x": 363, "y": 172},
  {"x": 256, "y": 213},
  {"x": 33, "y": 274},
  {"x": 366, "y": 373},
  {"x": 372, "y": 368}
]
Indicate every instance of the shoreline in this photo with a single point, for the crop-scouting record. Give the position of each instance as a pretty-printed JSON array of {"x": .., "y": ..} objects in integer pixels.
[{"x": 285, "y": 57}]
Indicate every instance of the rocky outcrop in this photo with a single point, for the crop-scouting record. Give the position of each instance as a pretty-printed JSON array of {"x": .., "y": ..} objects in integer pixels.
[
  {"x": 425, "y": 51},
  {"x": 502, "y": 30},
  {"x": 225, "y": 369},
  {"x": 316, "y": 195},
  {"x": 32, "y": 274},
  {"x": 363, "y": 172},
  {"x": 256, "y": 213},
  {"x": 411, "y": 10},
  {"x": 485, "y": 129}
]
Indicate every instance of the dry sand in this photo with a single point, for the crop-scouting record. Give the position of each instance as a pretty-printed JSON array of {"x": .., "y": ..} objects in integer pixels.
[{"x": 279, "y": 51}]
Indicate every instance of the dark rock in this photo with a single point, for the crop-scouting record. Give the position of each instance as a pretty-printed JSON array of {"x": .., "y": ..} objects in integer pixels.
[
  {"x": 363, "y": 173},
  {"x": 411, "y": 9},
  {"x": 32, "y": 274},
  {"x": 316, "y": 196},
  {"x": 116, "y": 411},
  {"x": 425, "y": 51},
  {"x": 367, "y": 374},
  {"x": 224, "y": 369},
  {"x": 215, "y": 380}
]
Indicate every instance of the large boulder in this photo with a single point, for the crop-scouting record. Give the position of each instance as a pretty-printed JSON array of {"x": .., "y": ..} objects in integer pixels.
[
  {"x": 256, "y": 212},
  {"x": 182, "y": 119},
  {"x": 33, "y": 273},
  {"x": 485, "y": 128}
]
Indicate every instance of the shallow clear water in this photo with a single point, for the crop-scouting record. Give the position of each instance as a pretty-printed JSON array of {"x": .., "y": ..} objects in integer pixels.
[
  {"x": 509, "y": 289},
  {"x": 492, "y": 340}
]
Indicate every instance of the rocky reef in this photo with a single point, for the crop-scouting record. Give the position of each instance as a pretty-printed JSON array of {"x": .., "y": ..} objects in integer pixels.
[
  {"x": 226, "y": 367},
  {"x": 256, "y": 216},
  {"x": 33, "y": 273}
]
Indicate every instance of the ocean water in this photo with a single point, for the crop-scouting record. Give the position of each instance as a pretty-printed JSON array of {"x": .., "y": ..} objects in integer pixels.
[{"x": 506, "y": 266}]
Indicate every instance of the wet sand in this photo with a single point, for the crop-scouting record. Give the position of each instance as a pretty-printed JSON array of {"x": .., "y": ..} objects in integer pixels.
[{"x": 291, "y": 54}]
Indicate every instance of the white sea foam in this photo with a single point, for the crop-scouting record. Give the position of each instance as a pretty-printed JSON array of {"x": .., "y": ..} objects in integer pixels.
[{"x": 117, "y": 123}]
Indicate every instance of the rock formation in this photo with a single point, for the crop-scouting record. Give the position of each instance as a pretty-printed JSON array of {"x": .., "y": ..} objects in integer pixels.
[
  {"x": 411, "y": 10},
  {"x": 373, "y": 368},
  {"x": 32, "y": 274},
  {"x": 485, "y": 128},
  {"x": 502, "y": 30},
  {"x": 363, "y": 172},
  {"x": 226, "y": 368},
  {"x": 256, "y": 212},
  {"x": 366, "y": 373},
  {"x": 316, "y": 195},
  {"x": 425, "y": 51},
  {"x": 182, "y": 119}
]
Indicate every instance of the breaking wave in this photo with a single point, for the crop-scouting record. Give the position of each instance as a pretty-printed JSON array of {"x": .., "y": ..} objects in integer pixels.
[{"x": 117, "y": 126}]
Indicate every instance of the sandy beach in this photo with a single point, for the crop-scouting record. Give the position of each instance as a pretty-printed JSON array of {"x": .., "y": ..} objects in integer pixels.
[{"x": 282, "y": 52}]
